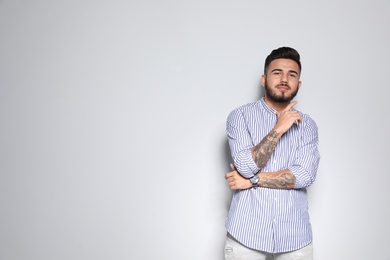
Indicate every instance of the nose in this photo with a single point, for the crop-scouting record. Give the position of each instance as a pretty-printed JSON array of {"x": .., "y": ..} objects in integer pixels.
[{"x": 284, "y": 79}]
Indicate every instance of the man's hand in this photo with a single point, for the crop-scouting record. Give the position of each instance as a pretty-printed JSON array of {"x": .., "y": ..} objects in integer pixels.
[
  {"x": 286, "y": 118},
  {"x": 236, "y": 181}
]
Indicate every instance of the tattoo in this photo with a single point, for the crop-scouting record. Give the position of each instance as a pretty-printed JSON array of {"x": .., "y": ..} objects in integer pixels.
[
  {"x": 283, "y": 180},
  {"x": 263, "y": 151}
]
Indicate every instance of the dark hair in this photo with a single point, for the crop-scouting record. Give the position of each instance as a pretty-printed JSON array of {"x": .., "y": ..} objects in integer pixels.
[{"x": 283, "y": 53}]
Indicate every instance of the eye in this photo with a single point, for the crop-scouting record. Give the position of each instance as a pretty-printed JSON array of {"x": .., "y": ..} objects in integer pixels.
[{"x": 293, "y": 75}]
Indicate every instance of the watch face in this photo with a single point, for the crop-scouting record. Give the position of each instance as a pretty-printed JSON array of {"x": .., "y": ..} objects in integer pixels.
[{"x": 254, "y": 179}]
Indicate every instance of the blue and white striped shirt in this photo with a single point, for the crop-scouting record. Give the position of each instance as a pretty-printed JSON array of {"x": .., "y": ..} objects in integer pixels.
[{"x": 271, "y": 220}]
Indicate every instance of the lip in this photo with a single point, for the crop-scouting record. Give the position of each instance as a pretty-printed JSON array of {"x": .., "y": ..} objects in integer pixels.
[{"x": 282, "y": 87}]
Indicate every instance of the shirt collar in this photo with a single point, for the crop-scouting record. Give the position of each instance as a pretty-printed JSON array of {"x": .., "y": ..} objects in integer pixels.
[{"x": 266, "y": 107}]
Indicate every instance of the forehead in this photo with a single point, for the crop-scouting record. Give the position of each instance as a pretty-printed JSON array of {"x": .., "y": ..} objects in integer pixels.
[{"x": 283, "y": 64}]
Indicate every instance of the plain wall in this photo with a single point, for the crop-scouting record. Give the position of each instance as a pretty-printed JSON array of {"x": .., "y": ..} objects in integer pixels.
[{"x": 112, "y": 131}]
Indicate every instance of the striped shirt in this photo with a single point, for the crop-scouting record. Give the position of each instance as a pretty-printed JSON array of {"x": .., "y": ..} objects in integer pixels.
[{"x": 271, "y": 220}]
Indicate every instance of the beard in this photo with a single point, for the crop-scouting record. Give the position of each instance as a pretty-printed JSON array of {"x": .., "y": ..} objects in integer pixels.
[{"x": 279, "y": 98}]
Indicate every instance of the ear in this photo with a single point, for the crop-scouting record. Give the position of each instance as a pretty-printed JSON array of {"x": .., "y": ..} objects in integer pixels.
[
  {"x": 299, "y": 84},
  {"x": 262, "y": 80}
]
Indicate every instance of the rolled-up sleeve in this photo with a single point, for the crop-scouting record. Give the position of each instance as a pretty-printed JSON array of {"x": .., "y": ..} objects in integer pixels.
[
  {"x": 306, "y": 162},
  {"x": 240, "y": 143}
]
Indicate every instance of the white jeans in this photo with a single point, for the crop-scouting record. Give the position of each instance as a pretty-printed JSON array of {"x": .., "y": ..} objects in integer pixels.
[{"x": 236, "y": 251}]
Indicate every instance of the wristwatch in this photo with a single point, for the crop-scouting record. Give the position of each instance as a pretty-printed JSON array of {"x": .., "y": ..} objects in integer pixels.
[{"x": 255, "y": 181}]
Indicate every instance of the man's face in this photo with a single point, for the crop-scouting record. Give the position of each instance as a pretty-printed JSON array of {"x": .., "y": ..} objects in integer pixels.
[{"x": 281, "y": 81}]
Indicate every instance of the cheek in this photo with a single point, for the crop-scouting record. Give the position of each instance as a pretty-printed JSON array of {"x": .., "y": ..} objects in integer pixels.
[
  {"x": 272, "y": 82},
  {"x": 294, "y": 82},
  {"x": 298, "y": 84}
]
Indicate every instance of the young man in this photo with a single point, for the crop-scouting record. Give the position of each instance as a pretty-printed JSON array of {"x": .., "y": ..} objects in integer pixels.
[{"x": 275, "y": 155}]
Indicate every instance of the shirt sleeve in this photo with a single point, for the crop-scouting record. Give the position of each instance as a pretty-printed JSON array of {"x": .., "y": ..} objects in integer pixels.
[
  {"x": 306, "y": 162},
  {"x": 240, "y": 143}
]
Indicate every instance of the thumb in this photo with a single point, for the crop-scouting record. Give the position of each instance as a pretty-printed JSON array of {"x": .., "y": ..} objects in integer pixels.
[{"x": 232, "y": 167}]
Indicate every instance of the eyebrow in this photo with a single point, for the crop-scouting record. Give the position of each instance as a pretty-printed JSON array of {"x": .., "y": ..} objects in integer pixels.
[{"x": 291, "y": 71}]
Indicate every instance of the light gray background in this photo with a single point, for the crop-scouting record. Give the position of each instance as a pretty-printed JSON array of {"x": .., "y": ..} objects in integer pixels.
[{"x": 112, "y": 137}]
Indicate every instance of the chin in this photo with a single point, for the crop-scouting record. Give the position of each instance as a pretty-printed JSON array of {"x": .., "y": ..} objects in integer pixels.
[{"x": 280, "y": 98}]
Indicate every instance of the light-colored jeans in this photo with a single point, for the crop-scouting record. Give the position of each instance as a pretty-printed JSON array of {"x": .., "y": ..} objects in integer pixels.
[{"x": 236, "y": 251}]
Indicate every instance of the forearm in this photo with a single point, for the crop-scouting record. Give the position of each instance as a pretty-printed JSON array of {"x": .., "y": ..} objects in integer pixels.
[
  {"x": 274, "y": 180},
  {"x": 262, "y": 152},
  {"x": 283, "y": 179}
]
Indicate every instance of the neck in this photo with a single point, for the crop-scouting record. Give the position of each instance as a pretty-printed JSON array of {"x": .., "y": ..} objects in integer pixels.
[{"x": 277, "y": 106}]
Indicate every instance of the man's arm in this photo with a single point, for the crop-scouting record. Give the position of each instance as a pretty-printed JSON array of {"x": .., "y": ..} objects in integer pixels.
[
  {"x": 276, "y": 180},
  {"x": 262, "y": 152}
]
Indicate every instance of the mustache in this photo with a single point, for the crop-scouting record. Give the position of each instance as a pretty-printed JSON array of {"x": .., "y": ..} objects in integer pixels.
[{"x": 283, "y": 85}]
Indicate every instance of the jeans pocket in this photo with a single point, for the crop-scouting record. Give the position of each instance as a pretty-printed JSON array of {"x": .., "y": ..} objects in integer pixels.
[{"x": 228, "y": 249}]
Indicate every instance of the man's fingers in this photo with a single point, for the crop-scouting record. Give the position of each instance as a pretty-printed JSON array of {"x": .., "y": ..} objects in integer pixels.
[
  {"x": 229, "y": 175},
  {"x": 231, "y": 178}
]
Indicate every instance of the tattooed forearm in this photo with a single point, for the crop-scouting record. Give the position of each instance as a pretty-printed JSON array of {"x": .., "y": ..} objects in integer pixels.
[
  {"x": 280, "y": 180},
  {"x": 263, "y": 151}
]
